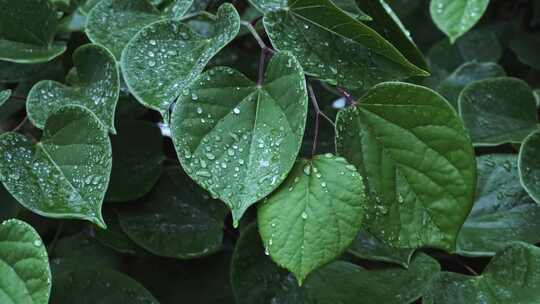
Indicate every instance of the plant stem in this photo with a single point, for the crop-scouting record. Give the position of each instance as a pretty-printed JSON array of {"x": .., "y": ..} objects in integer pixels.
[
  {"x": 52, "y": 245},
  {"x": 318, "y": 114},
  {"x": 20, "y": 125},
  {"x": 18, "y": 97},
  {"x": 262, "y": 62},
  {"x": 347, "y": 96},
  {"x": 257, "y": 37}
]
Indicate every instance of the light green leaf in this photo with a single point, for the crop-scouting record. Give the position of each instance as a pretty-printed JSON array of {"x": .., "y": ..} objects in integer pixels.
[
  {"x": 332, "y": 45},
  {"x": 85, "y": 6},
  {"x": 27, "y": 29},
  {"x": 418, "y": 160},
  {"x": 497, "y": 111},
  {"x": 512, "y": 276},
  {"x": 98, "y": 286},
  {"x": 456, "y": 17},
  {"x": 25, "y": 276},
  {"x": 314, "y": 215},
  {"x": 237, "y": 139},
  {"x": 529, "y": 165},
  {"x": 467, "y": 73},
  {"x": 369, "y": 247},
  {"x": 502, "y": 212},
  {"x": 184, "y": 222},
  {"x": 66, "y": 174},
  {"x": 352, "y": 9},
  {"x": 343, "y": 282},
  {"x": 166, "y": 56},
  {"x": 97, "y": 88},
  {"x": 137, "y": 154},
  {"x": 4, "y": 96},
  {"x": 113, "y": 23}
]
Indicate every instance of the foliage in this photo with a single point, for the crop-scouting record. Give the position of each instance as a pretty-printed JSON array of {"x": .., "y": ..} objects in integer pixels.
[{"x": 269, "y": 151}]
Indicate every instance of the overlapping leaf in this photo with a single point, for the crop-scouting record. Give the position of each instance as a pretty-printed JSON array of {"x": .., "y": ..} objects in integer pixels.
[
  {"x": 456, "y": 17},
  {"x": 238, "y": 139},
  {"x": 96, "y": 87},
  {"x": 417, "y": 160},
  {"x": 369, "y": 247},
  {"x": 24, "y": 268},
  {"x": 66, "y": 174},
  {"x": 332, "y": 45},
  {"x": 27, "y": 29},
  {"x": 165, "y": 57},
  {"x": 314, "y": 215},
  {"x": 529, "y": 165}
]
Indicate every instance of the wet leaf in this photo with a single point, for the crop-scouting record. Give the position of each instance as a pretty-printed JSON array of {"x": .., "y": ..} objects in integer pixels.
[
  {"x": 164, "y": 58},
  {"x": 27, "y": 29},
  {"x": 114, "y": 237},
  {"x": 369, "y": 247},
  {"x": 239, "y": 140},
  {"x": 332, "y": 45},
  {"x": 497, "y": 111},
  {"x": 529, "y": 165},
  {"x": 65, "y": 175},
  {"x": 4, "y": 96},
  {"x": 177, "y": 220},
  {"x": 352, "y": 8},
  {"x": 417, "y": 160},
  {"x": 97, "y": 88},
  {"x": 25, "y": 272},
  {"x": 503, "y": 211},
  {"x": 314, "y": 215},
  {"x": 456, "y": 17}
]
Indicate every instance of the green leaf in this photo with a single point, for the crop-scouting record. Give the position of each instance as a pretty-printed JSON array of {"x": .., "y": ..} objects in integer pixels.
[
  {"x": 238, "y": 139},
  {"x": 343, "y": 282},
  {"x": 85, "y": 6},
  {"x": 166, "y": 56},
  {"x": 512, "y": 276},
  {"x": 314, "y": 215},
  {"x": 24, "y": 266},
  {"x": 332, "y": 45},
  {"x": 113, "y": 23},
  {"x": 369, "y": 247},
  {"x": 183, "y": 223},
  {"x": 456, "y": 17},
  {"x": 480, "y": 45},
  {"x": 97, "y": 88},
  {"x": 352, "y": 9},
  {"x": 27, "y": 29},
  {"x": 497, "y": 111},
  {"x": 114, "y": 237},
  {"x": 536, "y": 93},
  {"x": 529, "y": 165},
  {"x": 502, "y": 212},
  {"x": 526, "y": 45},
  {"x": 66, "y": 174},
  {"x": 138, "y": 155},
  {"x": 467, "y": 73},
  {"x": 98, "y": 286},
  {"x": 413, "y": 150},
  {"x": 4, "y": 96}
]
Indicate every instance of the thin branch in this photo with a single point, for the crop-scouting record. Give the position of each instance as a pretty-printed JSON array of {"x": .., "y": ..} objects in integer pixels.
[
  {"x": 20, "y": 125},
  {"x": 262, "y": 62},
  {"x": 18, "y": 97},
  {"x": 464, "y": 265},
  {"x": 347, "y": 96},
  {"x": 318, "y": 114},
  {"x": 52, "y": 245},
  {"x": 257, "y": 37}
]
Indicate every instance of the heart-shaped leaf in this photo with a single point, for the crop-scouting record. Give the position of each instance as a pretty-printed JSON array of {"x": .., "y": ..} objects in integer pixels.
[
  {"x": 314, "y": 215},
  {"x": 166, "y": 56},
  {"x": 65, "y": 175},
  {"x": 97, "y": 88},
  {"x": 502, "y": 212},
  {"x": 27, "y": 29},
  {"x": 98, "y": 286},
  {"x": 138, "y": 155},
  {"x": 24, "y": 267},
  {"x": 332, "y": 45},
  {"x": 113, "y": 23},
  {"x": 238, "y": 139},
  {"x": 184, "y": 222},
  {"x": 467, "y": 73},
  {"x": 369, "y": 247},
  {"x": 512, "y": 276},
  {"x": 456, "y": 17},
  {"x": 417, "y": 160},
  {"x": 529, "y": 165},
  {"x": 497, "y": 111}
]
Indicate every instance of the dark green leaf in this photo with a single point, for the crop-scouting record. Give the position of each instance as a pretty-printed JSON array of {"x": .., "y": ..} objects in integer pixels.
[
  {"x": 4, "y": 96},
  {"x": 137, "y": 154},
  {"x": 456, "y": 17},
  {"x": 238, "y": 139},
  {"x": 502, "y": 212},
  {"x": 332, "y": 45},
  {"x": 529, "y": 165},
  {"x": 499, "y": 110},
  {"x": 417, "y": 160},
  {"x": 97, "y": 88},
  {"x": 512, "y": 276},
  {"x": 27, "y": 29},
  {"x": 314, "y": 215},
  {"x": 526, "y": 46},
  {"x": 352, "y": 8},
  {"x": 24, "y": 268},
  {"x": 165, "y": 57},
  {"x": 66, "y": 174},
  {"x": 114, "y": 237},
  {"x": 369, "y": 247},
  {"x": 177, "y": 220}
]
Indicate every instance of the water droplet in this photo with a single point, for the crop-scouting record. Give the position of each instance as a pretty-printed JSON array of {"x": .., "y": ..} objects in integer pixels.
[{"x": 304, "y": 215}]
